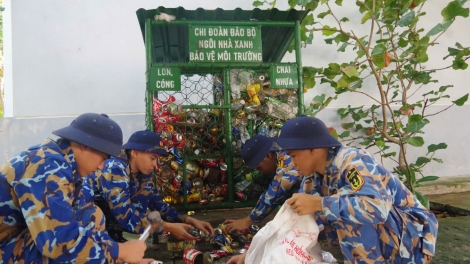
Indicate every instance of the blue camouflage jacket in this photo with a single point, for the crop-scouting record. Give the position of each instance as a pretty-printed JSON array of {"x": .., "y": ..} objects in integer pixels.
[
  {"x": 278, "y": 190},
  {"x": 129, "y": 196},
  {"x": 39, "y": 219},
  {"x": 356, "y": 188}
]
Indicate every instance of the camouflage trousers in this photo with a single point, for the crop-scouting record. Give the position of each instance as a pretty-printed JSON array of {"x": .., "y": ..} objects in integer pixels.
[{"x": 370, "y": 243}]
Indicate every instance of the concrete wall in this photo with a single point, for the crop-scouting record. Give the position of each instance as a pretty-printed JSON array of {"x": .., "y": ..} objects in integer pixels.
[{"x": 64, "y": 58}]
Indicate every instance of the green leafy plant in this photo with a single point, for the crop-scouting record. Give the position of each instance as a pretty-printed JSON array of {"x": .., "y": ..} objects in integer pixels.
[{"x": 394, "y": 54}]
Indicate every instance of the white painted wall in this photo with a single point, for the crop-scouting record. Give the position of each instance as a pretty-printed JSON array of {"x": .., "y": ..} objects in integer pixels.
[{"x": 64, "y": 58}]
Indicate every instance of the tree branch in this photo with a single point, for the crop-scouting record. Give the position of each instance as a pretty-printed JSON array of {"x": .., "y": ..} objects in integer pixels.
[
  {"x": 372, "y": 17},
  {"x": 331, "y": 12},
  {"x": 351, "y": 90},
  {"x": 439, "y": 111},
  {"x": 447, "y": 66}
]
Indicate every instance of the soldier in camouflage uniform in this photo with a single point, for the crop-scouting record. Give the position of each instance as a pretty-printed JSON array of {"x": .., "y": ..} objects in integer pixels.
[
  {"x": 124, "y": 191},
  {"x": 362, "y": 207},
  {"x": 257, "y": 154},
  {"x": 40, "y": 221}
]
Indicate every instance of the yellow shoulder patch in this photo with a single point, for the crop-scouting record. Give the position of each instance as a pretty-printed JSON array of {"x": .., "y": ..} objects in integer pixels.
[
  {"x": 280, "y": 160},
  {"x": 355, "y": 178}
]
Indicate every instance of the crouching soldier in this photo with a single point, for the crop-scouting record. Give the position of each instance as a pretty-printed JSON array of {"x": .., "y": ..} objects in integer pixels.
[
  {"x": 125, "y": 190},
  {"x": 363, "y": 208},
  {"x": 38, "y": 192}
]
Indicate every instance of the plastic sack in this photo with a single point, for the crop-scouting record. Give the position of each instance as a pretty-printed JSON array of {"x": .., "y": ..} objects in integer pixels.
[{"x": 288, "y": 238}]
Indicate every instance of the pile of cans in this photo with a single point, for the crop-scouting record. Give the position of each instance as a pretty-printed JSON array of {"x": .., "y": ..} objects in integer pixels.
[
  {"x": 197, "y": 140},
  {"x": 206, "y": 181},
  {"x": 223, "y": 244}
]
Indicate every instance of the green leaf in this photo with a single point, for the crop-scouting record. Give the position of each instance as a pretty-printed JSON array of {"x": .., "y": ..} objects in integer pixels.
[
  {"x": 332, "y": 71},
  {"x": 356, "y": 85},
  {"x": 411, "y": 178},
  {"x": 344, "y": 19},
  {"x": 406, "y": 19},
  {"x": 259, "y": 3},
  {"x": 310, "y": 38},
  {"x": 303, "y": 34},
  {"x": 444, "y": 88},
  {"x": 414, "y": 127},
  {"x": 329, "y": 41},
  {"x": 452, "y": 52},
  {"x": 378, "y": 55},
  {"x": 345, "y": 134},
  {"x": 454, "y": 9},
  {"x": 415, "y": 118},
  {"x": 422, "y": 160},
  {"x": 402, "y": 43},
  {"x": 434, "y": 147},
  {"x": 438, "y": 160},
  {"x": 347, "y": 125},
  {"x": 439, "y": 28},
  {"x": 312, "y": 5},
  {"x": 324, "y": 14},
  {"x": 422, "y": 77},
  {"x": 461, "y": 100},
  {"x": 380, "y": 143},
  {"x": 308, "y": 20},
  {"x": 422, "y": 57},
  {"x": 356, "y": 117},
  {"x": 292, "y": 3},
  {"x": 422, "y": 199},
  {"x": 414, "y": 141},
  {"x": 345, "y": 81},
  {"x": 350, "y": 71},
  {"x": 341, "y": 38},
  {"x": 327, "y": 32},
  {"x": 459, "y": 64},
  {"x": 339, "y": 2},
  {"x": 309, "y": 81},
  {"x": 427, "y": 178},
  {"x": 365, "y": 17},
  {"x": 325, "y": 80},
  {"x": 391, "y": 154},
  {"x": 343, "y": 47},
  {"x": 318, "y": 100},
  {"x": 416, "y": 123}
]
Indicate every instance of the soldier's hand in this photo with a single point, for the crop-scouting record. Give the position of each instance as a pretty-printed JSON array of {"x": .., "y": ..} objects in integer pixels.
[
  {"x": 239, "y": 224},
  {"x": 304, "y": 204},
  {"x": 201, "y": 225},
  {"x": 238, "y": 259},
  {"x": 180, "y": 231},
  {"x": 132, "y": 251}
]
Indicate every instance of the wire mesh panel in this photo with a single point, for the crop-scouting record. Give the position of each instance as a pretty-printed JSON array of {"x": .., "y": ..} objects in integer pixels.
[{"x": 205, "y": 124}]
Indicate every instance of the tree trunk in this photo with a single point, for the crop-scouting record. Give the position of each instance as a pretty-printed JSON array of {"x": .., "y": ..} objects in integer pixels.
[{"x": 402, "y": 166}]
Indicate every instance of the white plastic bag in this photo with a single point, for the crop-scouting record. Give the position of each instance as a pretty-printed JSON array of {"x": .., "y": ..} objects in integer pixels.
[{"x": 288, "y": 238}]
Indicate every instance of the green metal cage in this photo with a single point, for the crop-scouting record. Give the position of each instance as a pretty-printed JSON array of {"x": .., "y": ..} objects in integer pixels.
[{"x": 214, "y": 79}]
